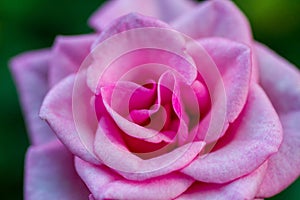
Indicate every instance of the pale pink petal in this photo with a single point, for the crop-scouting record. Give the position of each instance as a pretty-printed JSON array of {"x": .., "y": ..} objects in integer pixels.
[
  {"x": 68, "y": 53},
  {"x": 30, "y": 72},
  {"x": 219, "y": 18},
  {"x": 250, "y": 141},
  {"x": 114, "y": 57},
  {"x": 95, "y": 176},
  {"x": 281, "y": 82},
  {"x": 50, "y": 174},
  {"x": 110, "y": 148},
  {"x": 58, "y": 110},
  {"x": 141, "y": 66},
  {"x": 233, "y": 61},
  {"x": 163, "y": 187},
  {"x": 165, "y": 10},
  {"x": 243, "y": 188},
  {"x": 127, "y": 22},
  {"x": 106, "y": 184}
]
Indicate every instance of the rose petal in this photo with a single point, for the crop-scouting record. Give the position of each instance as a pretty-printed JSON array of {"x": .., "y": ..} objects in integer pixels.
[
  {"x": 95, "y": 176},
  {"x": 30, "y": 73},
  {"x": 67, "y": 55},
  {"x": 50, "y": 174},
  {"x": 243, "y": 188},
  {"x": 110, "y": 148},
  {"x": 127, "y": 96},
  {"x": 105, "y": 184},
  {"x": 128, "y": 22},
  {"x": 233, "y": 61},
  {"x": 164, "y": 187},
  {"x": 116, "y": 98},
  {"x": 165, "y": 10},
  {"x": 57, "y": 110},
  {"x": 252, "y": 139},
  {"x": 279, "y": 79},
  {"x": 281, "y": 82},
  {"x": 219, "y": 18},
  {"x": 115, "y": 56}
]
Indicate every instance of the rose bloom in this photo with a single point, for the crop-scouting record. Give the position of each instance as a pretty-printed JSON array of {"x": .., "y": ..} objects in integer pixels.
[{"x": 167, "y": 100}]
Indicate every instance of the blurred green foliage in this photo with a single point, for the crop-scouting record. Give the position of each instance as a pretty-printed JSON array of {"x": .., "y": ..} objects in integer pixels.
[{"x": 33, "y": 24}]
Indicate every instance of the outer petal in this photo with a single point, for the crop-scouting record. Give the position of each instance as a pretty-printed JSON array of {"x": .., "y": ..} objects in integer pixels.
[
  {"x": 250, "y": 140},
  {"x": 57, "y": 110},
  {"x": 67, "y": 55},
  {"x": 219, "y": 18},
  {"x": 30, "y": 72},
  {"x": 50, "y": 174},
  {"x": 243, "y": 188},
  {"x": 165, "y": 10},
  {"x": 281, "y": 82},
  {"x": 105, "y": 184}
]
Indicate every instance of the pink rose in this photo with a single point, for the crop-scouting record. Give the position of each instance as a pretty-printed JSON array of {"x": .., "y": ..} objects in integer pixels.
[{"x": 168, "y": 100}]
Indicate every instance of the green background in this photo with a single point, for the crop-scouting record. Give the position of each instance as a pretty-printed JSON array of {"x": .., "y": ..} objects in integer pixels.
[{"x": 33, "y": 24}]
